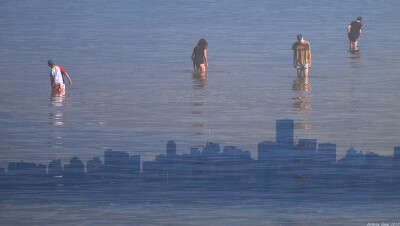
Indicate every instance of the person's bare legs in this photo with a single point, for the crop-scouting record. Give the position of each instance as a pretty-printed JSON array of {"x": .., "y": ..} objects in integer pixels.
[
  {"x": 351, "y": 45},
  {"x": 202, "y": 69},
  {"x": 196, "y": 69},
  {"x": 299, "y": 72},
  {"x": 355, "y": 45},
  {"x": 306, "y": 73}
]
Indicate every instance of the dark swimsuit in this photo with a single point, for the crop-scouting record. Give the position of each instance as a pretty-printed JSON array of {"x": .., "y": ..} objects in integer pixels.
[
  {"x": 198, "y": 55},
  {"x": 354, "y": 33}
]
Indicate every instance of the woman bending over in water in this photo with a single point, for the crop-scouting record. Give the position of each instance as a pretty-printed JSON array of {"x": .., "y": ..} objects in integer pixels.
[{"x": 199, "y": 56}]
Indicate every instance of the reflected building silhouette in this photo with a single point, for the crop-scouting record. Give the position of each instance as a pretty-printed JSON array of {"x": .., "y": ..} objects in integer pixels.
[
  {"x": 195, "y": 151},
  {"x": 396, "y": 158},
  {"x": 302, "y": 105},
  {"x": 282, "y": 165},
  {"x": 26, "y": 169},
  {"x": 327, "y": 152},
  {"x": 285, "y": 133},
  {"x": 74, "y": 169},
  {"x": 354, "y": 57},
  {"x": 171, "y": 148},
  {"x": 121, "y": 163},
  {"x": 55, "y": 168},
  {"x": 93, "y": 166},
  {"x": 209, "y": 164}
]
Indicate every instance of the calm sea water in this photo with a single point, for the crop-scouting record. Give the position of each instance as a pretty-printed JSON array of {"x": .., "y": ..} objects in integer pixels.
[{"x": 133, "y": 87}]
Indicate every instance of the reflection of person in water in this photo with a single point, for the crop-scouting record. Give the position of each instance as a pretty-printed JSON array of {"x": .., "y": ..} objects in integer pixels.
[
  {"x": 59, "y": 99},
  {"x": 200, "y": 81},
  {"x": 56, "y": 77},
  {"x": 302, "y": 104},
  {"x": 301, "y": 84},
  {"x": 57, "y": 118},
  {"x": 354, "y": 58},
  {"x": 199, "y": 56},
  {"x": 354, "y": 31},
  {"x": 354, "y": 54}
]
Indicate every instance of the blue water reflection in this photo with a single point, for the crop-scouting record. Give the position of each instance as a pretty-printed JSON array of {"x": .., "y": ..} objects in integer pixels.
[{"x": 285, "y": 173}]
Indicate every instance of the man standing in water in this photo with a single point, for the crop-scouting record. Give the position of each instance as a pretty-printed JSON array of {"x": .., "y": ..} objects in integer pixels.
[
  {"x": 354, "y": 31},
  {"x": 301, "y": 56},
  {"x": 56, "y": 78}
]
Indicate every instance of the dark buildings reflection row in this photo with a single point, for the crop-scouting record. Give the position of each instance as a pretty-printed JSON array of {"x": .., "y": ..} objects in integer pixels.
[{"x": 279, "y": 160}]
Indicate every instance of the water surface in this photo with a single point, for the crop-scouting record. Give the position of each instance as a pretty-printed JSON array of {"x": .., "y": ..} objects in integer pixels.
[{"x": 133, "y": 87}]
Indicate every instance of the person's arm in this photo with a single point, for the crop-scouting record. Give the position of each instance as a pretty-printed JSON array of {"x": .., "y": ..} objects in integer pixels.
[
  {"x": 70, "y": 82},
  {"x": 66, "y": 74},
  {"x": 205, "y": 57},
  {"x": 309, "y": 55},
  {"x": 294, "y": 55},
  {"x": 348, "y": 29}
]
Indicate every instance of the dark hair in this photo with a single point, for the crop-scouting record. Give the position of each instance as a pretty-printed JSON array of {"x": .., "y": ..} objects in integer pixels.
[
  {"x": 359, "y": 18},
  {"x": 202, "y": 42},
  {"x": 51, "y": 62}
]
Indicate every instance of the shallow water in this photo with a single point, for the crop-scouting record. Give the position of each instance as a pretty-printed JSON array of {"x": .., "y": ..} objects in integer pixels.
[{"x": 133, "y": 87}]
